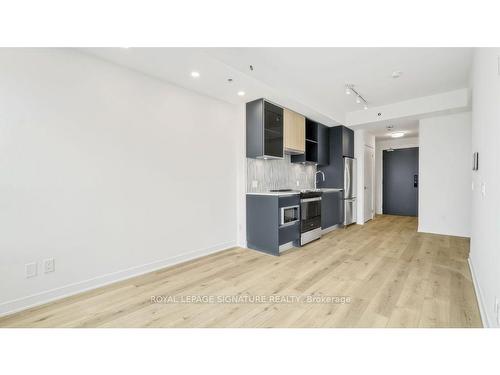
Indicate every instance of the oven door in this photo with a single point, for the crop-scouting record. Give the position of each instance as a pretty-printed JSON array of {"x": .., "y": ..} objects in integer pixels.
[
  {"x": 310, "y": 214},
  {"x": 310, "y": 208}
]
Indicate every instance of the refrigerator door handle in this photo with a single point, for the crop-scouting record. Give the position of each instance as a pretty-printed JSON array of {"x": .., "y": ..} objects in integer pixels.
[{"x": 347, "y": 187}]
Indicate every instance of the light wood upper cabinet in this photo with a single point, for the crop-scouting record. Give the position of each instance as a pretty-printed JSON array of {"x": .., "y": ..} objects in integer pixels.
[{"x": 294, "y": 132}]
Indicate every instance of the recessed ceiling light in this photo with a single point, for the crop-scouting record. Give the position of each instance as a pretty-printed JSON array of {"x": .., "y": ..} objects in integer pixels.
[
  {"x": 397, "y": 134},
  {"x": 358, "y": 99},
  {"x": 241, "y": 93},
  {"x": 365, "y": 107},
  {"x": 195, "y": 74},
  {"x": 396, "y": 74},
  {"x": 347, "y": 91}
]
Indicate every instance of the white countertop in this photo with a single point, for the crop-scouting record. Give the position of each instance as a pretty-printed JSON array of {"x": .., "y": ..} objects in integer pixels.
[
  {"x": 276, "y": 193},
  {"x": 295, "y": 192}
]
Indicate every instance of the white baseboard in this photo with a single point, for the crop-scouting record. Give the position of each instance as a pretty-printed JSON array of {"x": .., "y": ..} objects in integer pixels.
[
  {"x": 13, "y": 306},
  {"x": 479, "y": 296},
  {"x": 444, "y": 233},
  {"x": 329, "y": 229}
]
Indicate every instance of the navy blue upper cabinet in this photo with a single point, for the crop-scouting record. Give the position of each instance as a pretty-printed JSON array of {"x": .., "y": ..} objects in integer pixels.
[
  {"x": 341, "y": 146},
  {"x": 347, "y": 142},
  {"x": 264, "y": 125},
  {"x": 317, "y": 145},
  {"x": 323, "y": 145}
]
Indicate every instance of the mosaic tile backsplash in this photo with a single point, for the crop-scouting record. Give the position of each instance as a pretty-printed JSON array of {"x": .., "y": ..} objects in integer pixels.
[{"x": 278, "y": 174}]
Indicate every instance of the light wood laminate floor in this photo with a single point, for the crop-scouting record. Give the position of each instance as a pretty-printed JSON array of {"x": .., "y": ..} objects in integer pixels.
[{"x": 393, "y": 276}]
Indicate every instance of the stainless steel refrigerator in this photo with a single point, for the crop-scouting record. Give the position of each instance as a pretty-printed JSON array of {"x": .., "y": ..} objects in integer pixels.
[{"x": 349, "y": 199}]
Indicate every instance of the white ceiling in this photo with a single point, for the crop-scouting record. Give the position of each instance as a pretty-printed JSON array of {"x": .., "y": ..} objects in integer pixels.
[
  {"x": 407, "y": 126},
  {"x": 308, "y": 80}
]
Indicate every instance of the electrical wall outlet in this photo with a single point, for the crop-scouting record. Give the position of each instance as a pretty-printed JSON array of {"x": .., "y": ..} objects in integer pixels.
[
  {"x": 49, "y": 265},
  {"x": 483, "y": 189},
  {"x": 255, "y": 183},
  {"x": 298, "y": 183},
  {"x": 31, "y": 270}
]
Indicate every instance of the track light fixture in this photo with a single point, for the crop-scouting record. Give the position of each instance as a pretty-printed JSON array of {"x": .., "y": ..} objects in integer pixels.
[{"x": 359, "y": 98}]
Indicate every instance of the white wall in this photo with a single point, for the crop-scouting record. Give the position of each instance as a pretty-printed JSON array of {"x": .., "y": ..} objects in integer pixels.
[
  {"x": 445, "y": 175},
  {"x": 362, "y": 139},
  {"x": 108, "y": 171},
  {"x": 382, "y": 145},
  {"x": 485, "y": 234}
]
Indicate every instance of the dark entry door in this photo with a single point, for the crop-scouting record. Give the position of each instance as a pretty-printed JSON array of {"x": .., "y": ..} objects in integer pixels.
[{"x": 400, "y": 181}]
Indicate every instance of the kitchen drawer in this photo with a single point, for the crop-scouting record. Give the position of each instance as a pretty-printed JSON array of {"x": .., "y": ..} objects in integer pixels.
[
  {"x": 292, "y": 200},
  {"x": 289, "y": 233}
]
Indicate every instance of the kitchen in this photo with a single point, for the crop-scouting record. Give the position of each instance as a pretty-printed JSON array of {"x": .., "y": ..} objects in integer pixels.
[
  {"x": 301, "y": 178},
  {"x": 200, "y": 166},
  {"x": 126, "y": 184}
]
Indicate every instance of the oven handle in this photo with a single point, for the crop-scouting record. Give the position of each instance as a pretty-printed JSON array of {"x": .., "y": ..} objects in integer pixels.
[{"x": 310, "y": 200}]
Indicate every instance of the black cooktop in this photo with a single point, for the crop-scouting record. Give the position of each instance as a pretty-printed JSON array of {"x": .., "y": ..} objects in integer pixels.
[
  {"x": 280, "y": 190},
  {"x": 310, "y": 194}
]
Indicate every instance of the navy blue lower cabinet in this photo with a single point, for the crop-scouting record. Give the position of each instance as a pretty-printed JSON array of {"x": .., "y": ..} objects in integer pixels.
[
  {"x": 264, "y": 229},
  {"x": 331, "y": 211}
]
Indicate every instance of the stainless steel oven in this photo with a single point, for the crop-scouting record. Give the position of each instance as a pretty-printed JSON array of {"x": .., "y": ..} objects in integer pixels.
[
  {"x": 289, "y": 215},
  {"x": 310, "y": 217}
]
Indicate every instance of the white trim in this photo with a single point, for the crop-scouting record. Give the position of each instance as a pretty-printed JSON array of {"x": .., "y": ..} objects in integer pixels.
[
  {"x": 286, "y": 246},
  {"x": 479, "y": 296},
  {"x": 329, "y": 229},
  {"x": 372, "y": 183},
  {"x": 41, "y": 298},
  {"x": 425, "y": 230}
]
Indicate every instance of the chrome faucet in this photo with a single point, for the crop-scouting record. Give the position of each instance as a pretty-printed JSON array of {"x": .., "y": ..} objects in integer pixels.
[{"x": 316, "y": 180}]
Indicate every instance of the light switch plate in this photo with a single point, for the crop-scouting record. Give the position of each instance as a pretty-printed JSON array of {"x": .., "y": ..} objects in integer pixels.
[
  {"x": 31, "y": 270},
  {"x": 497, "y": 310},
  {"x": 255, "y": 183},
  {"x": 49, "y": 265},
  {"x": 483, "y": 189}
]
